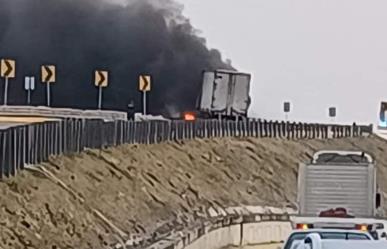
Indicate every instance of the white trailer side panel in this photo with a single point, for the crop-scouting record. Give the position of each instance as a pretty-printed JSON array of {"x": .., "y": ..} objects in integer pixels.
[
  {"x": 207, "y": 90},
  {"x": 221, "y": 92},
  {"x": 241, "y": 99}
]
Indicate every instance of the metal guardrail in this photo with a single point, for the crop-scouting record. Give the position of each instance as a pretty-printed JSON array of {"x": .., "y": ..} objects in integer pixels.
[{"x": 34, "y": 143}]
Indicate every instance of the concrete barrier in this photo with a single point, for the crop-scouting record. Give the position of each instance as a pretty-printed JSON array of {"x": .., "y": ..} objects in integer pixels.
[
  {"x": 227, "y": 227},
  {"x": 42, "y": 111},
  {"x": 263, "y": 232},
  {"x": 219, "y": 238}
]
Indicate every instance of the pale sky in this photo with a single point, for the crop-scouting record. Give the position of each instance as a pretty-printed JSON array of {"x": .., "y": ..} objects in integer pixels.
[{"x": 313, "y": 53}]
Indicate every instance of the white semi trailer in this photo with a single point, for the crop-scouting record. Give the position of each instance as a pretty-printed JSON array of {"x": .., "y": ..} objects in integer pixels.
[
  {"x": 224, "y": 94},
  {"x": 338, "y": 189}
]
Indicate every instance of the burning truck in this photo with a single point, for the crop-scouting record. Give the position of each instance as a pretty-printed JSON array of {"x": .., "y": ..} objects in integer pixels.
[{"x": 224, "y": 94}]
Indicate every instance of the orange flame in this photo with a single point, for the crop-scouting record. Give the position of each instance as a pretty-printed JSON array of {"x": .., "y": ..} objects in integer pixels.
[{"x": 189, "y": 116}]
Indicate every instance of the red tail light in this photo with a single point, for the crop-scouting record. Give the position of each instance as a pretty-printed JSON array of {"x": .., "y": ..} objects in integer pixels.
[
  {"x": 303, "y": 226},
  {"x": 362, "y": 227}
]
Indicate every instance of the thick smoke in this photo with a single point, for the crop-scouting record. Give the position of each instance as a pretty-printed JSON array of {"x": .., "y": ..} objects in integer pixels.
[{"x": 127, "y": 37}]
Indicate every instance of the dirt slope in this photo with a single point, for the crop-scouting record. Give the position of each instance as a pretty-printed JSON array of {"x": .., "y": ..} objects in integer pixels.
[{"x": 93, "y": 199}]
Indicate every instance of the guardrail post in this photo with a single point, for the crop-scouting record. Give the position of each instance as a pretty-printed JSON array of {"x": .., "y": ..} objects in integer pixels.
[
  {"x": 254, "y": 128},
  {"x": 212, "y": 128},
  {"x": 158, "y": 132},
  {"x": 205, "y": 128},
  {"x": 311, "y": 131},
  {"x": 222, "y": 128},
  {"x": 141, "y": 128},
  {"x": 14, "y": 151},
  {"x": 244, "y": 127},
  {"x": 180, "y": 130},
  {"x": 177, "y": 131},
  {"x": 297, "y": 129},
  {"x": 306, "y": 130},
  {"x": 343, "y": 131},
  {"x": 265, "y": 129},
  {"x": 187, "y": 130},
  {"x": 273, "y": 129},
  {"x": 191, "y": 130},
  {"x": 216, "y": 128},
  {"x": 132, "y": 132},
  {"x": 44, "y": 142},
  {"x": 31, "y": 144},
  {"x": 185, "y": 125},
  {"x": 7, "y": 152},
  {"x": 232, "y": 128},
  {"x": 9, "y": 171},
  {"x": 148, "y": 132},
  {"x": 136, "y": 132},
  {"x": 172, "y": 131},
  {"x": 53, "y": 137},
  {"x": 3, "y": 144}
]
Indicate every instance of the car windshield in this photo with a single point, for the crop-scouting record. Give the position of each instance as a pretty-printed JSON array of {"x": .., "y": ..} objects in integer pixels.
[{"x": 297, "y": 237}]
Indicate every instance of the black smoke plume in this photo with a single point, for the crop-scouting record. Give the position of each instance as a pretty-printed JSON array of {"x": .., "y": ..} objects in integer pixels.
[{"x": 128, "y": 38}]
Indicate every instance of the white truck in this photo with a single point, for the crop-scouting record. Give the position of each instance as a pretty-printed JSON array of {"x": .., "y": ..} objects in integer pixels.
[{"x": 338, "y": 190}]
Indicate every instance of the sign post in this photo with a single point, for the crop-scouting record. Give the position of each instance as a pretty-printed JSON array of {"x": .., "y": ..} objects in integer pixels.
[
  {"x": 29, "y": 85},
  {"x": 332, "y": 113},
  {"x": 286, "y": 110},
  {"x": 7, "y": 68},
  {"x": 145, "y": 82},
  {"x": 101, "y": 80},
  {"x": 48, "y": 73}
]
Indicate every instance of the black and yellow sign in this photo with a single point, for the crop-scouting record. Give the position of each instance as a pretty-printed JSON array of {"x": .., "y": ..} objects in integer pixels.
[
  {"x": 145, "y": 83},
  {"x": 101, "y": 78},
  {"x": 48, "y": 74},
  {"x": 8, "y": 68}
]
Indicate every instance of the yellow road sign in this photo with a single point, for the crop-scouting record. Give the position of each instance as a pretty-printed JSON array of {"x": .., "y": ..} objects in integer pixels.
[
  {"x": 101, "y": 78},
  {"x": 145, "y": 83},
  {"x": 48, "y": 73},
  {"x": 8, "y": 68}
]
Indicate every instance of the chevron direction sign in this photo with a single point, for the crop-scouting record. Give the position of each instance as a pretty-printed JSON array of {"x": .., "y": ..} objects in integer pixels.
[
  {"x": 48, "y": 73},
  {"x": 101, "y": 78},
  {"x": 8, "y": 68},
  {"x": 145, "y": 83}
]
